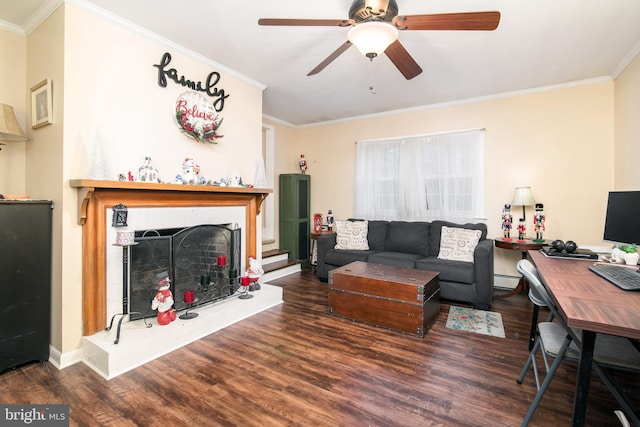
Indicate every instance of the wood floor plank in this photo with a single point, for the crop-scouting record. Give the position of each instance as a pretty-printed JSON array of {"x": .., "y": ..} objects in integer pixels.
[{"x": 296, "y": 365}]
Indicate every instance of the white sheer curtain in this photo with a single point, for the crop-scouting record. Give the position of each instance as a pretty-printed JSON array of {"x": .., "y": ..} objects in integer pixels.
[{"x": 438, "y": 176}]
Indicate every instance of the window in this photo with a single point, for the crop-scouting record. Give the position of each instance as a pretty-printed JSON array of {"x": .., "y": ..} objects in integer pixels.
[{"x": 421, "y": 178}]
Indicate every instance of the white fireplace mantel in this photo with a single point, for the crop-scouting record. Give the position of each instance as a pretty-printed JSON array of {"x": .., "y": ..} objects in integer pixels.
[{"x": 96, "y": 197}]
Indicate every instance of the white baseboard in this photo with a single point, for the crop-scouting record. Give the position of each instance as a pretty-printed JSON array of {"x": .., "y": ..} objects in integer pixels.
[
  {"x": 502, "y": 281},
  {"x": 64, "y": 360}
]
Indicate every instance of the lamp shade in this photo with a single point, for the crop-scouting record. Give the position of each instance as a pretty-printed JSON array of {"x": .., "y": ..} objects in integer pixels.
[
  {"x": 523, "y": 197},
  {"x": 372, "y": 38},
  {"x": 9, "y": 128}
]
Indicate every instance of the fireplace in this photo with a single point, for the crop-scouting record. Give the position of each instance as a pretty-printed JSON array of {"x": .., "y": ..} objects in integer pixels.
[
  {"x": 95, "y": 202},
  {"x": 205, "y": 259}
]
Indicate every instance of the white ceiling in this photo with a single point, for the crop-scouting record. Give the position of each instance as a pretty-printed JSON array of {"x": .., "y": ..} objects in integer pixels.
[{"x": 538, "y": 43}]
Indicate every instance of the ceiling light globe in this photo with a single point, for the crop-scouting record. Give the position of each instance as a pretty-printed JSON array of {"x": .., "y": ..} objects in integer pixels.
[{"x": 373, "y": 38}]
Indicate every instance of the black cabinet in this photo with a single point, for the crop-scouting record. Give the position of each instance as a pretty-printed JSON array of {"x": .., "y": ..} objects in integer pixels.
[
  {"x": 295, "y": 224},
  {"x": 25, "y": 266}
]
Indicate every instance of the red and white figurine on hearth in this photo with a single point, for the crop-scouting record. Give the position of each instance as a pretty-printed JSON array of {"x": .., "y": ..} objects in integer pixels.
[
  {"x": 254, "y": 271},
  {"x": 163, "y": 301}
]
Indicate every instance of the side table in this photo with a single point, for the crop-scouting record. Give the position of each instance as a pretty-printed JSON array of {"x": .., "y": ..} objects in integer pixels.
[{"x": 519, "y": 245}]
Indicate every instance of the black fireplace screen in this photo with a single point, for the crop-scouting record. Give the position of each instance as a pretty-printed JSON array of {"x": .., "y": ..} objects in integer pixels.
[{"x": 204, "y": 259}]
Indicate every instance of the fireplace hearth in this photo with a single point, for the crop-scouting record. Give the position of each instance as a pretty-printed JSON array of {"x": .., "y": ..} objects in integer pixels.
[{"x": 203, "y": 259}]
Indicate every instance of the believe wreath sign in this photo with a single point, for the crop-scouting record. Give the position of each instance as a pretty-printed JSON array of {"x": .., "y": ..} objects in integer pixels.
[{"x": 197, "y": 118}]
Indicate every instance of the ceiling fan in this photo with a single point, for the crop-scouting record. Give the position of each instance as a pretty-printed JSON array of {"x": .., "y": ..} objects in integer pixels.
[{"x": 375, "y": 25}]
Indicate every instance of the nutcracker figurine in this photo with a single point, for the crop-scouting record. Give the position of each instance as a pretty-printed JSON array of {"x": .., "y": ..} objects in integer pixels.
[
  {"x": 302, "y": 163},
  {"x": 507, "y": 222},
  {"x": 538, "y": 222},
  {"x": 522, "y": 230},
  {"x": 330, "y": 220}
]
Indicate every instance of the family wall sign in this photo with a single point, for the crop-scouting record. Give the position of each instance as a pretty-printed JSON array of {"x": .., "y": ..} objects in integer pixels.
[{"x": 208, "y": 86}]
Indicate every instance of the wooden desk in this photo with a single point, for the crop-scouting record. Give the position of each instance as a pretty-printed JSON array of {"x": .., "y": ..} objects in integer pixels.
[
  {"x": 592, "y": 304},
  {"x": 519, "y": 245}
]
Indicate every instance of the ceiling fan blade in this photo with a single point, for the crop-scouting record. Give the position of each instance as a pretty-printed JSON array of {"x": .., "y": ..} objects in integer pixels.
[
  {"x": 403, "y": 60},
  {"x": 306, "y": 22},
  {"x": 484, "y": 21},
  {"x": 329, "y": 59}
]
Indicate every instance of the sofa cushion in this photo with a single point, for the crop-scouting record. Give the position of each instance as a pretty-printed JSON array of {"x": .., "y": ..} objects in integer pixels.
[
  {"x": 352, "y": 235},
  {"x": 458, "y": 244},
  {"x": 342, "y": 257},
  {"x": 407, "y": 237},
  {"x": 435, "y": 233},
  {"x": 397, "y": 259},
  {"x": 450, "y": 271},
  {"x": 377, "y": 234}
]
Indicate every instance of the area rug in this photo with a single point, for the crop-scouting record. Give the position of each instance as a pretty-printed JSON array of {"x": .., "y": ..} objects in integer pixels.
[{"x": 477, "y": 321}]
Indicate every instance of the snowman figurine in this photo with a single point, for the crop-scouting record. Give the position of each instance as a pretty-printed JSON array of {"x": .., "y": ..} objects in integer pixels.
[{"x": 163, "y": 301}]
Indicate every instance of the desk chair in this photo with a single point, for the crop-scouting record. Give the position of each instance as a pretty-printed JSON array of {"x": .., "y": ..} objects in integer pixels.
[
  {"x": 537, "y": 303},
  {"x": 560, "y": 342}
]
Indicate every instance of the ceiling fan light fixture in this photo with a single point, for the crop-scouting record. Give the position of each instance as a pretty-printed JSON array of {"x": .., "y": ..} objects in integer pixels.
[
  {"x": 376, "y": 7},
  {"x": 372, "y": 38}
]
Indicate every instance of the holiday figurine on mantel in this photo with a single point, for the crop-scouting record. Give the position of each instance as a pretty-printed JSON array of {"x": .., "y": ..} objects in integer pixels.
[
  {"x": 302, "y": 163},
  {"x": 147, "y": 172},
  {"x": 191, "y": 173},
  {"x": 507, "y": 222},
  {"x": 538, "y": 222},
  {"x": 163, "y": 301}
]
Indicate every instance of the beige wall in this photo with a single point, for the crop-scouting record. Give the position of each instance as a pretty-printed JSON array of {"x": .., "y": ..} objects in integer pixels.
[
  {"x": 43, "y": 177},
  {"x": 13, "y": 76},
  {"x": 627, "y": 125},
  {"x": 558, "y": 142}
]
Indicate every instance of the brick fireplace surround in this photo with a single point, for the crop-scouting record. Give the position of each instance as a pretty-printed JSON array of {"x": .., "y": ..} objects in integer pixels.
[{"x": 95, "y": 200}]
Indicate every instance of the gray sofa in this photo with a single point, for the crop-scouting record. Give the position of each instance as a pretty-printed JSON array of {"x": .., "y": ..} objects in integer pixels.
[{"x": 416, "y": 245}]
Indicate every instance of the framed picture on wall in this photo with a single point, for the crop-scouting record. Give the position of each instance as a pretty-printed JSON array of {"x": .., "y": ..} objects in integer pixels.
[{"x": 41, "y": 105}]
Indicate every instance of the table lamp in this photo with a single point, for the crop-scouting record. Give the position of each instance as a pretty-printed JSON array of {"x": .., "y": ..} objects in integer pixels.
[
  {"x": 523, "y": 197},
  {"x": 9, "y": 128}
]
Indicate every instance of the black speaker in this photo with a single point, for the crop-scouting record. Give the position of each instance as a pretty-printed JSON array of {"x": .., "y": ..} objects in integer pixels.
[
  {"x": 569, "y": 246},
  {"x": 558, "y": 245}
]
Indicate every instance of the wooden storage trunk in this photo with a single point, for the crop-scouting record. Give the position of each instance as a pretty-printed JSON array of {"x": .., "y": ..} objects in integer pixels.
[{"x": 395, "y": 298}]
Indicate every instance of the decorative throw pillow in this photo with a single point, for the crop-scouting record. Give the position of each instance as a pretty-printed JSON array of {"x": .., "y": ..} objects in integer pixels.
[
  {"x": 352, "y": 235},
  {"x": 458, "y": 244}
]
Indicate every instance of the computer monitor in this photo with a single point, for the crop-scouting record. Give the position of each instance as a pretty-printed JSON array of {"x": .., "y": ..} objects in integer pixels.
[{"x": 622, "y": 223}]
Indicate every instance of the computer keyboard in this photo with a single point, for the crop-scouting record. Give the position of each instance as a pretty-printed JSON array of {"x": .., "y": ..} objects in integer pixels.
[{"x": 623, "y": 277}]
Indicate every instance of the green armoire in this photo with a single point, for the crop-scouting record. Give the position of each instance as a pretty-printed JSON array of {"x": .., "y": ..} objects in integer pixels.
[{"x": 295, "y": 222}]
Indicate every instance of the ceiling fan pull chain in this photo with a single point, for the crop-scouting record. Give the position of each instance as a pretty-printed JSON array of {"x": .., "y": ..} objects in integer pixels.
[{"x": 371, "y": 88}]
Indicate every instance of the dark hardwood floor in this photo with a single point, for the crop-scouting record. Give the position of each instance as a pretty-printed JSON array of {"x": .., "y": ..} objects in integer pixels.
[{"x": 296, "y": 365}]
